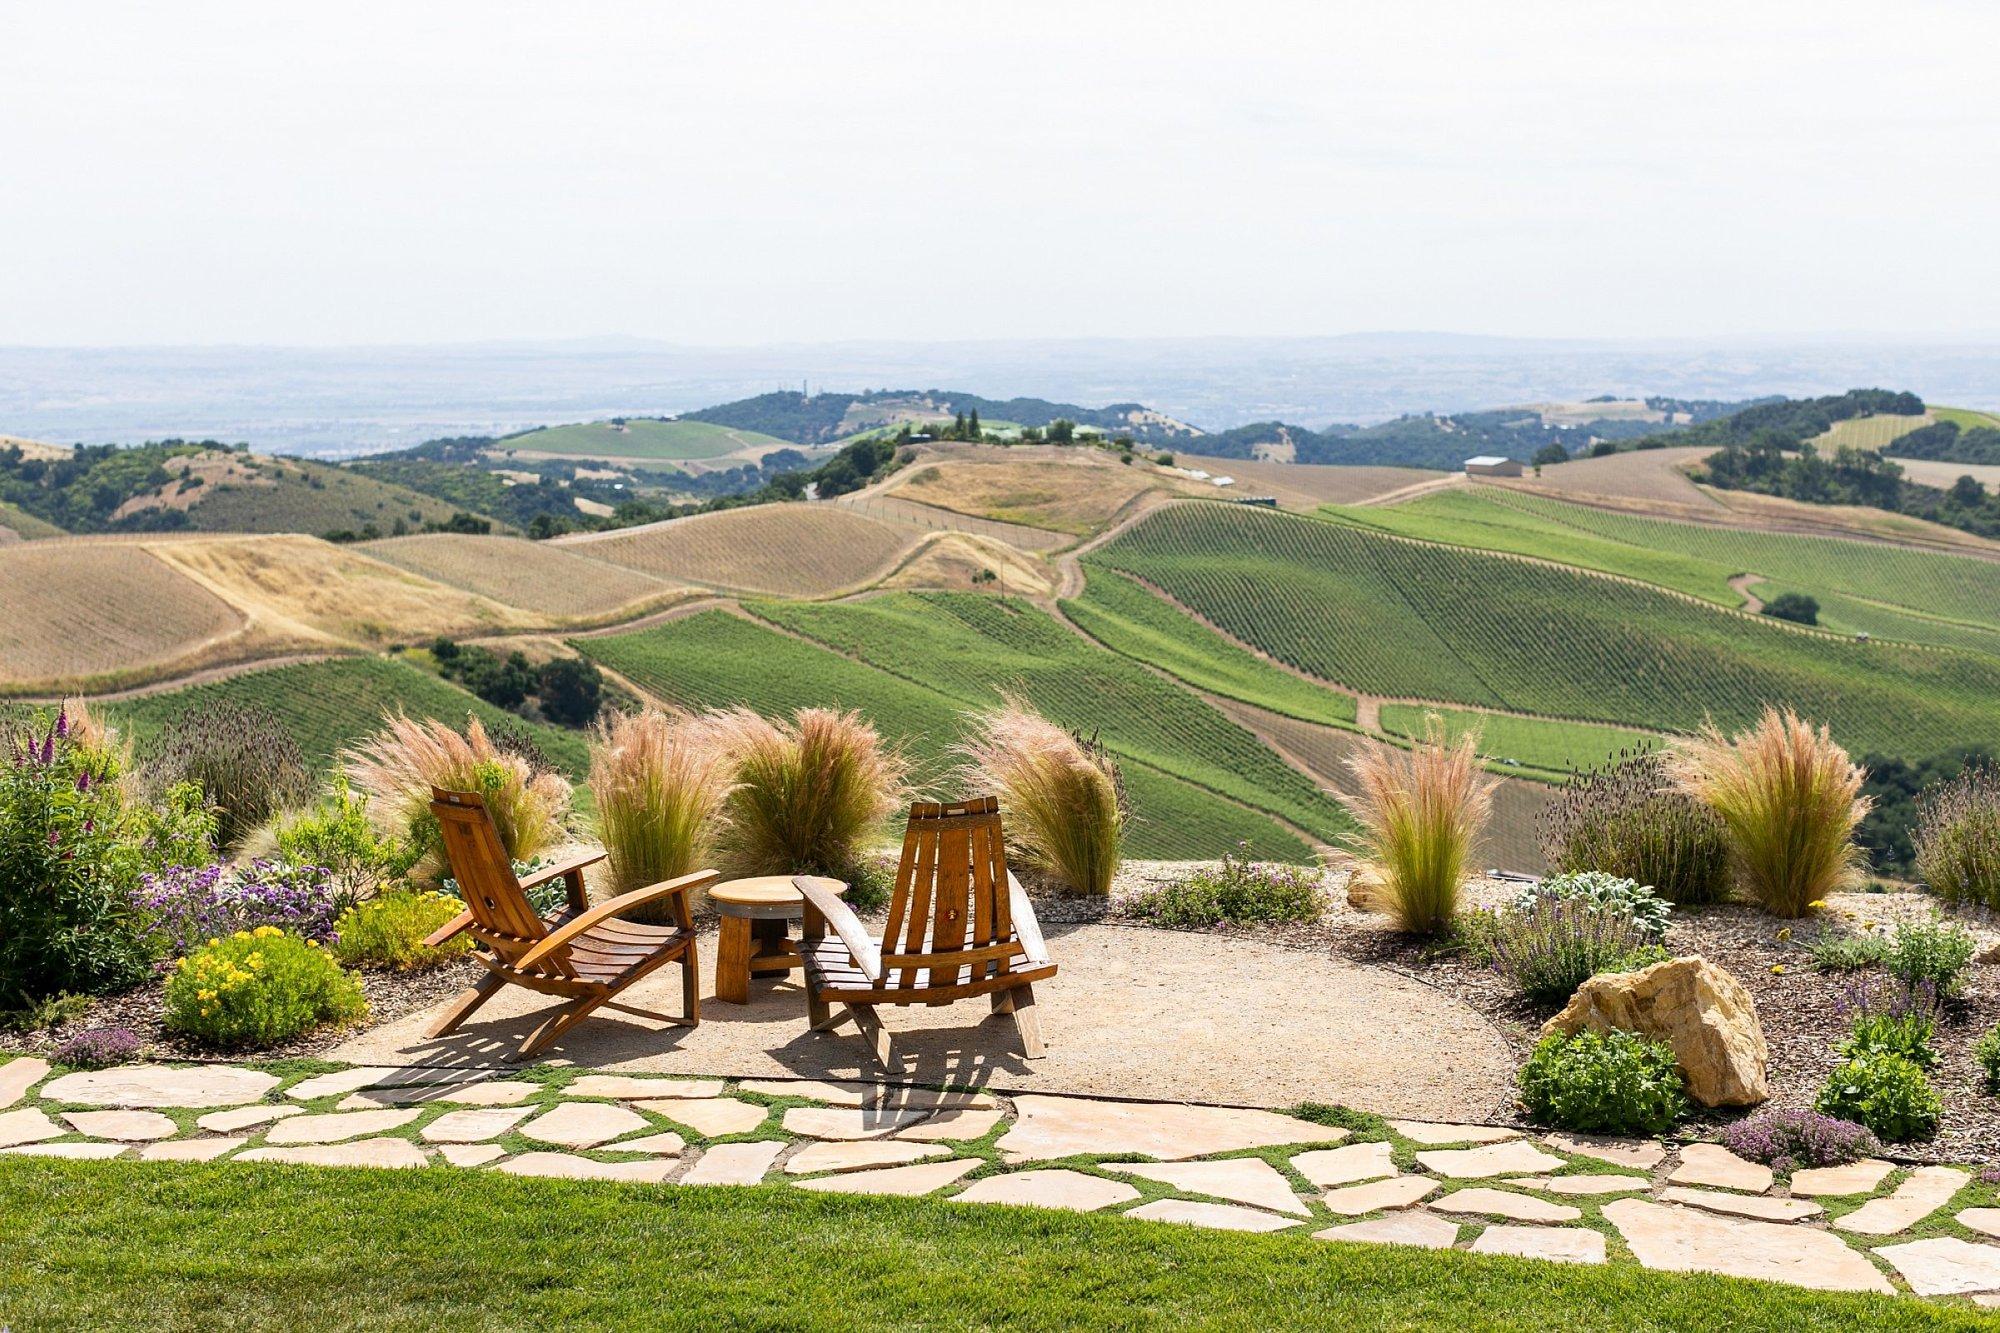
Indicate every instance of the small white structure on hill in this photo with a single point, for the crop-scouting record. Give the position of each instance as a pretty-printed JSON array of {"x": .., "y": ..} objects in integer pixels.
[{"x": 1492, "y": 465}]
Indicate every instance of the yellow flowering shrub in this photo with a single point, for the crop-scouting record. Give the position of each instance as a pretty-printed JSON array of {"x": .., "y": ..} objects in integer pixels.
[
  {"x": 389, "y": 931},
  {"x": 258, "y": 988}
]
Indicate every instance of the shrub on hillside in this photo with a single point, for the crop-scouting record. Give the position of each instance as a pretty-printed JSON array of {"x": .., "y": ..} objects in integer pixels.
[
  {"x": 570, "y": 690},
  {"x": 807, "y": 793},
  {"x": 1627, "y": 819},
  {"x": 1933, "y": 954},
  {"x": 1609, "y": 1083},
  {"x": 336, "y": 834},
  {"x": 1789, "y": 797},
  {"x": 1060, "y": 794},
  {"x": 1421, "y": 815},
  {"x": 247, "y": 765},
  {"x": 389, "y": 931},
  {"x": 257, "y": 988},
  {"x": 1238, "y": 892},
  {"x": 659, "y": 781},
  {"x": 1797, "y": 607},
  {"x": 1789, "y": 1140},
  {"x": 1549, "y": 946},
  {"x": 185, "y": 905},
  {"x": 1957, "y": 840},
  {"x": 1887, "y": 1093}
]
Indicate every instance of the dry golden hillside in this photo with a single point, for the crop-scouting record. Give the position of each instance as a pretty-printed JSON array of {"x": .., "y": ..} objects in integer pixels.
[
  {"x": 1077, "y": 495},
  {"x": 787, "y": 550},
  {"x": 955, "y": 562},
  {"x": 563, "y": 584}
]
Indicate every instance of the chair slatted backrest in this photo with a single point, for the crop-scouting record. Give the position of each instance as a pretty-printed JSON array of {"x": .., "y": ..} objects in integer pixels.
[
  {"x": 951, "y": 909},
  {"x": 502, "y": 916}
]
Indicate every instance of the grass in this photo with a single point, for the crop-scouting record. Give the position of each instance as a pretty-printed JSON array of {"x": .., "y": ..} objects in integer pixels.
[
  {"x": 1059, "y": 499},
  {"x": 534, "y": 576},
  {"x": 717, "y": 660},
  {"x": 1537, "y": 748},
  {"x": 78, "y": 610},
  {"x": 292, "y": 495},
  {"x": 1400, "y": 618},
  {"x": 1967, "y": 418},
  {"x": 25, "y": 524},
  {"x": 198, "y": 1246},
  {"x": 676, "y": 441},
  {"x": 1870, "y": 432}
]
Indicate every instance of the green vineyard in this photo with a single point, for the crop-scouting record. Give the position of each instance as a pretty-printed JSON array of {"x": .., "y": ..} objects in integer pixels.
[
  {"x": 1406, "y": 619},
  {"x": 1536, "y": 747}
]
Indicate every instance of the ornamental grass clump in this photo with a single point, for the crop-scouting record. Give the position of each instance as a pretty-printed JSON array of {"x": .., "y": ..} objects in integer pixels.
[
  {"x": 389, "y": 931},
  {"x": 1790, "y": 798},
  {"x": 1958, "y": 837},
  {"x": 247, "y": 765},
  {"x": 806, "y": 793},
  {"x": 1060, "y": 794},
  {"x": 397, "y": 767},
  {"x": 660, "y": 781},
  {"x": 1788, "y": 1139},
  {"x": 1614, "y": 1082},
  {"x": 257, "y": 988},
  {"x": 1421, "y": 816},
  {"x": 1627, "y": 819}
]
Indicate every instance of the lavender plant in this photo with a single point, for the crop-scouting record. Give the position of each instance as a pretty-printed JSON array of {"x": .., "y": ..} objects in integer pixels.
[
  {"x": 246, "y": 764},
  {"x": 1626, "y": 819},
  {"x": 1550, "y": 946},
  {"x": 1788, "y": 1139},
  {"x": 186, "y": 906},
  {"x": 1897, "y": 1018}
]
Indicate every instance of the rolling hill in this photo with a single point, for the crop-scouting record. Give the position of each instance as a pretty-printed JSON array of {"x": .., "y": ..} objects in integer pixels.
[{"x": 642, "y": 438}]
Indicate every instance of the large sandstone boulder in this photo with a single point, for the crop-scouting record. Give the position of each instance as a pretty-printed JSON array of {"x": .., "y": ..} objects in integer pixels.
[{"x": 1695, "y": 1007}]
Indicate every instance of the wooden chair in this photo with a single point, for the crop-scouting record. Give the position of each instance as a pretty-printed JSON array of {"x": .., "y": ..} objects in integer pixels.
[
  {"x": 582, "y": 953},
  {"x": 959, "y": 925}
]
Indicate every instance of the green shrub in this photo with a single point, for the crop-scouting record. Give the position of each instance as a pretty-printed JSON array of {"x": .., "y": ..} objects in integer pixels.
[
  {"x": 1846, "y": 953},
  {"x": 1238, "y": 892},
  {"x": 336, "y": 834},
  {"x": 1611, "y": 1083},
  {"x": 258, "y": 988},
  {"x": 1901, "y": 1023},
  {"x": 1550, "y": 946},
  {"x": 1958, "y": 837},
  {"x": 1885, "y": 1092},
  {"x": 1606, "y": 893},
  {"x": 247, "y": 765},
  {"x": 1626, "y": 819},
  {"x": 1987, "y": 1052},
  {"x": 389, "y": 931},
  {"x": 1932, "y": 953}
]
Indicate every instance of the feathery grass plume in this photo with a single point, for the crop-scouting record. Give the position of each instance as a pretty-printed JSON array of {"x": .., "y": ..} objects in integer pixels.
[
  {"x": 1958, "y": 837},
  {"x": 397, "y": 767},
  {"x": 1422, "y": 814},
  {"x": 1790, "y": 798},
  {"x": 1060, "y": 795},
  {"x": 806, "y": 793},
  {"x": 660, "y": 781}
]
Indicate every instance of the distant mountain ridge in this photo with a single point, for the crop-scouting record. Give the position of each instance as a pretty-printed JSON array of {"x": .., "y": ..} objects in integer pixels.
[{"x": 822, "y": 418}]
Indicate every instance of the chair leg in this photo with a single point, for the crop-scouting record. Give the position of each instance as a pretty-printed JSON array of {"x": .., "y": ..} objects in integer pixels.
[
  {"x": 1023, "y": 1009},
  {"x": 877, "y": 1037},
  {"x": 819, "y": 1014},
  {"x": 1003, "y": 1002},
  {"x": 691, "y": 984},
  {"x": 461, "y": 1009},
  {"x": 558, "y": 1023}
]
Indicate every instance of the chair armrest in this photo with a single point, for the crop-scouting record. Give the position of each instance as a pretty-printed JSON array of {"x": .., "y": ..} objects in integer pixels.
[
  {"x": 572, "y": 870},
  {"x": 818, "y": 894},
  {"x": 561, "y": 936},
  {"x": 1025, "y": 925},
  {"x": 447, "y": 930}
]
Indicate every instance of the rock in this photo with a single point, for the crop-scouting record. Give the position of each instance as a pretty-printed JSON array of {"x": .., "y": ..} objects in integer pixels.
[
  {"x": 1495, "y": 1159},
  {"x": 488, "y": 1092},
  {"x": 869, "y": 1094},
  {"x": 27, "y": 1125},
  {"x": 1639, "y": 1154},
  {"x": 1945, "y": 1267},
  {"x": 474, "y": 1126},
  {"x": 1860, "y": 1177},
  {"x": 1712, "y": 1164},
  {"x": 1563, "y": 1245},
  {"x": 817, "y": 1157},
  {"x": 125, "y": 1126},
  {"x": 396, "y": 1153},
  {"x": 1071, "y": 1190},
  {"x": 953, "y": 1126},
  {"x": 1328, "y": 1167},
  {"x": 1249, "y": 1180},
  {"x": 582, "y": 1124},
  {"x": 1052, "y": 1127},
  {"x": 903, "y": 1181},
  {"x": 1695, "y": 1007},
  {"x": 1504, "y": 1203},
  {"x": 1742, "y": 1205},
  {"x": 334, "y": 1126},
  {"x": 471, "y": 1154},
  {"x": 1986, "y": 1221},
  {"x": 1582, "y": 1185},
  {"x": 1433, "y": 1135},
  {"x": 18, "y": 1075},
  {"x": 1396, "y": 1192},
  {"x": 668, "y": 1144},
  {"x": 162, "y": 1086},
  {"x": 1927, "y": 1189},
  {"x": 1686, "y": 1240},
  {"x": 840, "y": 1122},
  {"x": 568, "y": 1166},
  {"x": 1221, "y": 1216},
  {"x": 80, "y": 1151},
  {"x": 1412, "y": 1227},
  {"x": 246, "y": 1117},
  {"x": 381, "y": 1076},
  {"x": 734, "y": 1163},
  {"x": 191, "y": 1150},
  {"x": 633, "y": 1087},
  {"x": 712, "y": 1118}
]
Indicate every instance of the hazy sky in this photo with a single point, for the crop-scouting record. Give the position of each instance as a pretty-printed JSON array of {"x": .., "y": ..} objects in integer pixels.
[{"x": 751, "y": 173}]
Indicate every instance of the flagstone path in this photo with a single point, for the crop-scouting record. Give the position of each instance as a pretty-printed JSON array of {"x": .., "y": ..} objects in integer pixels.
[{"x": 1868, "y": 1226}]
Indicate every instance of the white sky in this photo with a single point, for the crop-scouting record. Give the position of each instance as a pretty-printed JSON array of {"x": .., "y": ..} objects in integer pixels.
[{"x": 752, "y": 173}]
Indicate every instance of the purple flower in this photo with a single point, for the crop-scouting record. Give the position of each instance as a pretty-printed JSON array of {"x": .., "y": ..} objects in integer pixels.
[
  {"x": 188, "y": 905},
  {"x": 99, "y": 1048},
  {"x": 62, "y": 723},
  {"x": 1787, "y": 1139}
]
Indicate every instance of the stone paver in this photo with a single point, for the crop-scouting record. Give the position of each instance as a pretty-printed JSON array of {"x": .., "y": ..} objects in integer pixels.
[
  {"x": 1945, "y": 1266},
  {"x": 1072, "y": 1190},
  {"x": 380, "y": 1076},
  {"x": 666, "y": 1144},
  {"x": 952, "y": 1126},
  {"x": 1433, "y": 1134},
  {"x": 1495, "y": 1159},
  {"x": 1221, "y": 1216},
  {"x": 636, "y": 1087},
  {"x": 471, "y": 1154},
  {"x": 162, "y": 1087},
  {"x": 1742, "y": 1205},
  {"x": 816, "y": 1157},
  {"x": 1563, "y": 1245},
  {"x": 1687, "y": 1240},
  {"x": 1986, "y": 1221},
  {"x": 734, "y": 1164},
  {"x": 712, "y": 1118},
  {"x": 18, "y": 1075},
  {"x": 334, "y": 1126},
  {"x": 1328, "y": 1167},
  {"x": 842, "y": 1122},
  {"x": 1411, "y": 1227},
  {"x": 905, "y": 1181},
  {"x": 487, "y": 1092},
  {"x": 125, "y": 1126},
  {"x": 870, "y": 1094},
  {"x": 400, "y": 1153},
  {"x": 476, "y": 1125},
  {"x": 568, "y": 1166},
  {"x": 1581, "y": 1185},
  {"x": 1396, "y": 1192},
  {"x": 1927, "y": 1189},
  {"x": 1249, "y": 1180},
  {"x": 1505, "y": 1203},
  {"x": 246, "y": 1117},
  {"x": 1714, "y": 1165},
  {"x": 582, "y": 1124},
  {"x": 1639, "y": 1154},
  {"x": 192, "y": 1150},
  {"x": 84, "y": 1151},
  {"x": 27, "y": 1125},
  {"x": 1051, "y": 1127},
  {"x": 1862, "y": 1177}
]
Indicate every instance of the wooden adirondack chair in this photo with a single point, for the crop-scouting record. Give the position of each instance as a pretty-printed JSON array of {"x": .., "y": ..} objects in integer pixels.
[
  {"x": 959, "y": 925},
  {"x": 582, "y": 953}
]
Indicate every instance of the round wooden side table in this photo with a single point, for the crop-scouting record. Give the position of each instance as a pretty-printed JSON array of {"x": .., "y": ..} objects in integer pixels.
[{"x": 754, "y": 938}]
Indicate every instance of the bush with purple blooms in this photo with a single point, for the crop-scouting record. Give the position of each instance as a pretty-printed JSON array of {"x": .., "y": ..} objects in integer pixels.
[
  {"x": 1896, "y": 1018},
  {"x": 187, "y": 906},
  {"x": 1788, "y": 1140},
  {"x": 99, "y": 1048},
  {"x": 1551, "y": 945}
]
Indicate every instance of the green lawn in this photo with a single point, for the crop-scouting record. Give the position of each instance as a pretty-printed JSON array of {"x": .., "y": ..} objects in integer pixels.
[
  {"x": 671, "y": 440},
  {"x": 1966, "y": 418},
  {"x": 1539, "y": 747},
  {"x": 156, "y": 1245}
]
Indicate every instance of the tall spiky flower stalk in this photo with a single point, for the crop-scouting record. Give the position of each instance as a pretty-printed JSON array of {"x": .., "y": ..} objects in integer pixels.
[
  {"x": 1060, "y": 796},
  {"x": 659, "y": 780},
  {"x": 1422, "y": 814}
]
